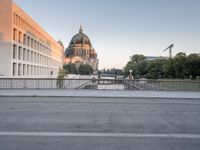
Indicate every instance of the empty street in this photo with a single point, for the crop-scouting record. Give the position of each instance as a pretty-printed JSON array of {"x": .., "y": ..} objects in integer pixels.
[{"x": 99, "y": 123}]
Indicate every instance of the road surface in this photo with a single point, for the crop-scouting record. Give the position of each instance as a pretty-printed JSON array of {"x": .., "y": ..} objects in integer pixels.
[{"x": 99, "y": 123}]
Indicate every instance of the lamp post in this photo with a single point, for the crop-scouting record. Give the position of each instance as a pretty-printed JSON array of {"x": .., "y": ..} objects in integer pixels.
[{"x": 130, "y": 74}]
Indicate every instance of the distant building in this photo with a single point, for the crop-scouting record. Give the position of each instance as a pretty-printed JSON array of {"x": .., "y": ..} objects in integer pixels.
[
  {"x": 150, "y": 58},
  {"x": 26, "y": 50},
  {"x": 81, "y": 51}
]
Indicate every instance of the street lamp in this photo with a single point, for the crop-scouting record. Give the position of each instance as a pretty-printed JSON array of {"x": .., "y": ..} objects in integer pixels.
[{"x": 130, "y": 74}]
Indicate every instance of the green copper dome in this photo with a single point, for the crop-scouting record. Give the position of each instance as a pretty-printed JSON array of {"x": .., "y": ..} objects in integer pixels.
[{"x": 80, "y": 38}]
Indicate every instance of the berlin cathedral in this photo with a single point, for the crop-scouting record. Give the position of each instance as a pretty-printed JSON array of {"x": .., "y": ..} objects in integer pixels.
[{"x": 81, "y": 51}]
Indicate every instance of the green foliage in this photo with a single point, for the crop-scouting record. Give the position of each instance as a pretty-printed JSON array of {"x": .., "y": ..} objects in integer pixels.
[
  {"x": 71, "y": 68},
  {"x": 169, "y": 69},
  {"x": 60, "y": 78},
  {"x": 141, "y": 69},
  {"x": 85, "y": 69},
  {"x": 129, "y": 66},
  {"x": 138, "y": 64},
  {"x": 156, "y": 69},
  {"x": 194, "y": 65},
  {"x": 181, "y": 66},
  {"x": 135, "y": 59}
]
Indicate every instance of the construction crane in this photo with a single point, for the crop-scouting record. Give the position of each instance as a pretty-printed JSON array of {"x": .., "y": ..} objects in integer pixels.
[{"x": 170, "y": 50}]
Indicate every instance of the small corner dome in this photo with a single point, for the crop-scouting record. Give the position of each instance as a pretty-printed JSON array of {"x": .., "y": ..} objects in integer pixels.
[{"x": 61, "y": 43}]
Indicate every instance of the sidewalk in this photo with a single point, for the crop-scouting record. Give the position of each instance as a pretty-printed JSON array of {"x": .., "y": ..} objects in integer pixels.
[{"x": 100, "y": 93}]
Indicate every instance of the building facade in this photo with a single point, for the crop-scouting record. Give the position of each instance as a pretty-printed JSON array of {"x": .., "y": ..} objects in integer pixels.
[
  {"x": 26, "y": 50},
  {"x": 81, "y": 51}
]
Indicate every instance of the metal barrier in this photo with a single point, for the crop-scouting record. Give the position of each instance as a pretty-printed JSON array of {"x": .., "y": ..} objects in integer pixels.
[{"x": 117, "y": 84}]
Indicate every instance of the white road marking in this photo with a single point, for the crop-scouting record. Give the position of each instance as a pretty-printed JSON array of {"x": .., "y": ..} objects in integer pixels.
[
  {"x": 92, "y": 134},
  {"x": 142, "y": 101}
]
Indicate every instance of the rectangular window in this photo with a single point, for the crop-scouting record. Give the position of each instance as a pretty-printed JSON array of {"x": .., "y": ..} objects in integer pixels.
[
  {"x": 27, "y": 55},
  {"x": 31, "y": 56},
  {"x": 31, "y": 43},
  {"x": 40, "y": 59},
  {"x": 31, "y": 70},
  {"x": 14, "y": 34},
  {"x": 24, "y": 70},
  {"x": 19, "y": 69},
  {"x": 35, "y": 57},
  {"x": 38, "y": 46},
  {"x": 13, "y": 18},
  {"x": 17, "y": 20},
  {"x": 24, "y": 54},
  {"x": 34, "y": 70},
  {"x": 35, "y": 45},
  {"x": 28, "y": 41},
  {"x": 14, "y": 51},
  {"x": 20, "y": 37},
  {"x": 24, "y": 39},
  {"x": 23, "y": 23},
  {"x": 14, "y": 69},
  {"x": 28, "y": 69},
  {"x": 42, "y": 50},
  {"x": 19, "y": 53},
  {"x": 20, "y": 22},
  {"x": 38, "y": 70}
]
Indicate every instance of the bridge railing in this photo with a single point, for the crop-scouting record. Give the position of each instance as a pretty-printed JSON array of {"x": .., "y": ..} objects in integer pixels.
[{"x": 115, "y": 84}]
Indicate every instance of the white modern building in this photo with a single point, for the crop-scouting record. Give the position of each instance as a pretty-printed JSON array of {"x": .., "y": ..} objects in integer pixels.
[{"x": 26, "y": 50}]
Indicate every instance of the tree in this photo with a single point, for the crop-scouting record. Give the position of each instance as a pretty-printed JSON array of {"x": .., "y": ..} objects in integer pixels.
[
  {"x": 70, "y": 68},
  {"x": 138, "y": 64},
  {"x": 156, "y": 69},
  {"x": 180, "y": 65},
  {"x": 135, "y": 59},
  {"x": 194, "y": 65},
  {"x": 60, "y": 78},
  {"x": 142, "y": 69},
  {"x": 169, "y": 69},
  {"x": 85, "y": 69},
  {"x": 129, "y": 66}
]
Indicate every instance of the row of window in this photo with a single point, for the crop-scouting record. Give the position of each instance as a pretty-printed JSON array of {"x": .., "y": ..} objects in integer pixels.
[
  {"x": 24, "y": 54},
  {"x": 27, "y": 55},
  {"x": 20, "y": 22},
  {"x": 23, "y": 24},
  {"x": 30, "y": 70},
  {"x": 30, "y": 42},
  {"x": 18, "y": 36}
]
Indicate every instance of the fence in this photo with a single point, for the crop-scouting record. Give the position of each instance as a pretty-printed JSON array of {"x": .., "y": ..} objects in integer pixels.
[{"x": 30, "y": 83}]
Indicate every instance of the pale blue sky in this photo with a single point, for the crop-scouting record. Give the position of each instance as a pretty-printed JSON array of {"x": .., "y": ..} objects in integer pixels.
[{"x": 121, "y": 28}]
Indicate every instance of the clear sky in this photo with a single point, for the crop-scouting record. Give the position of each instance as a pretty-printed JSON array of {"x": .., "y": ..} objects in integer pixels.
[{"x": 120, "y": 28}]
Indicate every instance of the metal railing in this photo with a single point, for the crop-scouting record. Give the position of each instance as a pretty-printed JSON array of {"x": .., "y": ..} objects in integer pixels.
[{"x": 118, "y": 84}]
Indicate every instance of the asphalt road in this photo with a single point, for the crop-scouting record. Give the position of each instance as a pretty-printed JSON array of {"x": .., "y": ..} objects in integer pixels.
[{"x": 39, "y": 123}]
